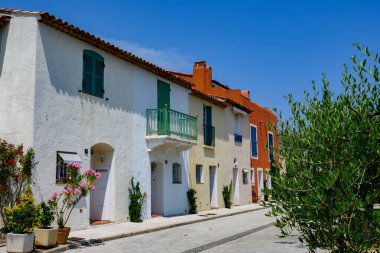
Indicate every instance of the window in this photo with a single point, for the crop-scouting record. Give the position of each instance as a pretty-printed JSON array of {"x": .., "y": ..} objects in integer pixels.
[
  {"x": 270, "y": 146},
  {"x": 93, "y": 73},
  {"x": 254, "y": 147},
  {"x": 208, "y": 129},
  {"x": 245, "y": 176},
  {"x": 63, "y": 158},
  {"x": 237, "y": 135},
  {"x": 199, "y": 174},
  {"x": 252, "y": 177},
  {"x": 268, "y": 179},
  {"x": 177, "y": 175}
]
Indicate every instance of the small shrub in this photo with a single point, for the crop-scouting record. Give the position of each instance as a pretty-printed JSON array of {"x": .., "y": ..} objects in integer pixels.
[
  {"x": 227, "y": 195},
  {"x": 192, "y": 200},
  {"x": 136, "y": 202},
  {"x": 24, "y": 216},
  {"x": 46, "y": 215}
]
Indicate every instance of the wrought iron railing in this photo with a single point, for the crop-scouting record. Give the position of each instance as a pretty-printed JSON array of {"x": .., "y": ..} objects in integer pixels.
[
  {"x": 209, "y": 135},
  {"x": 164, "y": 121}
]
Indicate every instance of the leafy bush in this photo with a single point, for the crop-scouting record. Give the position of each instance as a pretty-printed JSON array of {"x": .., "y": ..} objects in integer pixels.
[
  {"x": 24, "y": 216},
  {"x": 192, "y": 199},
  {"x": 227, "y": 190},
  {"x": 136, "y": 201},
  {"x": 15, "y": 174},
  {"x": 46, "y": 215},
  {"x": 331, "y": 146}
]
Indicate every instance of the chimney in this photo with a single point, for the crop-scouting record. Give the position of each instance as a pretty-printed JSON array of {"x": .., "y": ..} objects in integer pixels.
[
  {"x": 202, "y": 75},
  {"x": 246, "y": 94}
]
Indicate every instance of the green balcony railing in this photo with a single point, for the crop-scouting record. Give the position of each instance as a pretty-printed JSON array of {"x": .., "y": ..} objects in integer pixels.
[{"x": 163, "y": 121}]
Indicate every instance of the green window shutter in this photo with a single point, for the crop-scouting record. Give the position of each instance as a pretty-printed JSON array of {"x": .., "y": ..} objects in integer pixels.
[
  {"x": 87, "y": 73},
  {"x": 93, "y": 73}
]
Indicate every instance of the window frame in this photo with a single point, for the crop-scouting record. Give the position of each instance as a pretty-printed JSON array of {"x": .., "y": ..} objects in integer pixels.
[
  {"x": 58, "y": 178},
  {"x": 245, "y": 176},
  {"x": 95, "y": 56},
  {"x": 252, "y": 176},
  {"x": 257, "y": 142},
  {"x": 178, "y": 169},
  {"x": 201, "y": 180}
]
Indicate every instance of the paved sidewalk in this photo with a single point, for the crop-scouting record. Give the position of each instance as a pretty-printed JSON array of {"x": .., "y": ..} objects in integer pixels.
[{"x": 106, "y": 232}]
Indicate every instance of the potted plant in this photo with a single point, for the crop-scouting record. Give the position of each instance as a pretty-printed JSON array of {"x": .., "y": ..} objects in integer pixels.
[
  {"x": 78, "y": 186},
  {"x": 21, "y": 219},
  {"x": 46, "y": 236}
]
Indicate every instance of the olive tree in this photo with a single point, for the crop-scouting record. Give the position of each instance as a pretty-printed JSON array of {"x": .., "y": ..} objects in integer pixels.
[{"x": 331, "y": 148}]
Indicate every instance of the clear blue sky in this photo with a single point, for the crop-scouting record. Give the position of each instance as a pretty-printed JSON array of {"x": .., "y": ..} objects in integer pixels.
[{"x": 271, "y": 48}]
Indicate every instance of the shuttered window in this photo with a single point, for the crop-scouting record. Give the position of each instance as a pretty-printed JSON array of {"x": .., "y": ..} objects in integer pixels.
[
  {"x": 254, "y": 149},
  {"x": 270, "y": 146},
  {"x": 93, "y": 73}
]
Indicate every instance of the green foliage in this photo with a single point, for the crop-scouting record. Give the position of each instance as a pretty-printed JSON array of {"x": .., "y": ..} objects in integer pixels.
[
  {"x": 227, "y": 190},
  {"x": 15, "y": 174},
  {"x": 46, "y": 215},
  {"x": 192, "y": 199},
  {"x": 24, "y": 216},
  {"x": 136, "y": 201},
  {"x": 331, "y": 147}
]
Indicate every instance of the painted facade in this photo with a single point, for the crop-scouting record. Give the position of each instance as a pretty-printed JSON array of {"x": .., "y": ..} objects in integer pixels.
[
  {"x": 44, "y": 106},
  {"x": 262, "y": 124},
  {"x": 74, "y": 97},
  {"x": 235, "y": 146}
]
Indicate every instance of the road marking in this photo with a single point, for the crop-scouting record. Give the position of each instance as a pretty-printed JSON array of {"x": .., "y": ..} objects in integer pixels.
[{"x": 227, "y": 239}]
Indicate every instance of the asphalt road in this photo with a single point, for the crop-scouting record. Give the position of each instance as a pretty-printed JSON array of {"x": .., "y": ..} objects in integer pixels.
[{"x": 248, "y": 232}]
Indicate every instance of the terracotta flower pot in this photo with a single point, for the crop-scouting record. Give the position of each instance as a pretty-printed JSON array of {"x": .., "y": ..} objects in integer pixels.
[
  {"x": 20, "y": 242},
  {"x": 46, "y": 237},
  {"x": 63, "y": 234}
]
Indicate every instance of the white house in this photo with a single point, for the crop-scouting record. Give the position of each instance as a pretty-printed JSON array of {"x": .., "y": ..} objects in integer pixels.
[{"x": 74, "y": 97}]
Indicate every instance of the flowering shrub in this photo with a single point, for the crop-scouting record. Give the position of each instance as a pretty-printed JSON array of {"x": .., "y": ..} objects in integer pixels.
[
  {"x": 78, "y": 186},
  {"x": 24, "y": 216},
  {"x": 15, "y": 175}
]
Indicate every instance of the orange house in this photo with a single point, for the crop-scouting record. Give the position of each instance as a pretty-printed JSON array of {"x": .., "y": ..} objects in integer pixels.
[{"x": 263, "y": 138}]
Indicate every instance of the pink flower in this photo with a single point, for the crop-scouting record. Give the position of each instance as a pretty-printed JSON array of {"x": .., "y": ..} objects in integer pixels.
[
  {"x": 71, "y": 201},
  {"x": 92, "y": 187},
  {"x": 55, "y": 194},
  {"x": 97, "y": 174},
  {"x": 83, "y": 184},
  {"x": 77, "y": 191}
]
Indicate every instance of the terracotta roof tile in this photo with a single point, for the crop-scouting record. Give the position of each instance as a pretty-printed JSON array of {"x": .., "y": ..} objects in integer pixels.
[{"x": 84, "y": 36}]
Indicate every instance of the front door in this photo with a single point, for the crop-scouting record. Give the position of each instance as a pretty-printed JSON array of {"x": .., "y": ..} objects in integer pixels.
[
  {"x": 236, "y": 187},
  {"x": 213, "y": 187},
  {"x": 100, "y": 197},
  {"x": 163, "y": 104},
  {"x": 261, "y": 184}
]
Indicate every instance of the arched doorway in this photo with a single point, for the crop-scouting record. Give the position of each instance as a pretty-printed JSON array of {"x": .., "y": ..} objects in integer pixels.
[
  {"x": 157, "y": 188},
  {"x": 100, "y": 200}
]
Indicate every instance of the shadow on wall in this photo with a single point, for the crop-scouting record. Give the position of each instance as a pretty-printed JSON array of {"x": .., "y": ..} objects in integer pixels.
[
  {"x": 3, "y": 45},
  {"x": 62, "y": 69}
]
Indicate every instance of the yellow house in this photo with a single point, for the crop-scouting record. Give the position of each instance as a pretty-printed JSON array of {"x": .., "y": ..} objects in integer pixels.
[{"x": 206, "y": 159}]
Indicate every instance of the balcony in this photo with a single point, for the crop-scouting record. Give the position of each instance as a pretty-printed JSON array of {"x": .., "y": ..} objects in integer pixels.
[
  {"x": 209, "y": 135},
  {"x": 169, "y": 129}
]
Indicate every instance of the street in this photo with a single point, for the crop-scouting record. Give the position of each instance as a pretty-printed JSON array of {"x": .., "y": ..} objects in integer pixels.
[{"x": 248, "y": 232}]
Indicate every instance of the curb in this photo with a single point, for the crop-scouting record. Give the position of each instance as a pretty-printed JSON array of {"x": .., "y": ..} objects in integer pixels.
[{"x": 90, "y": 242}]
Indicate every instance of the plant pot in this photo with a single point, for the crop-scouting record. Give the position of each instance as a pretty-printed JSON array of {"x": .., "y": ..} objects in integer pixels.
[
  {"x": 46, "y": 237},
  {"x": 63, "y": 234},
  {"x": 20, "y": 242}
]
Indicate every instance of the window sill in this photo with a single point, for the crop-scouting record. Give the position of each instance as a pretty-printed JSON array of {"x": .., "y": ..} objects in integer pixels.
[
  {"x": 255, "y": 157},
  {"x": 90, "y": 94},
  {"x": 177, "y": 183},
  {"x": 200, "y": 183},
  {"x": 209, "y": 147}
]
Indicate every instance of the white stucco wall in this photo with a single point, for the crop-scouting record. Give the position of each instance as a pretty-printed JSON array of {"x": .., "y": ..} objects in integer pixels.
[
  {"x": 48, "y": 113},
  {"x": 240, "y": 151},
  {"x": 18, "y": 60}
]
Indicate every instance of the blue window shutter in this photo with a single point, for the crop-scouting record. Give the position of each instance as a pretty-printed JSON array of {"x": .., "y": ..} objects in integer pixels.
[
  {"x": 254, "y": 141},
  {"x": 270, "y": 144}
]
